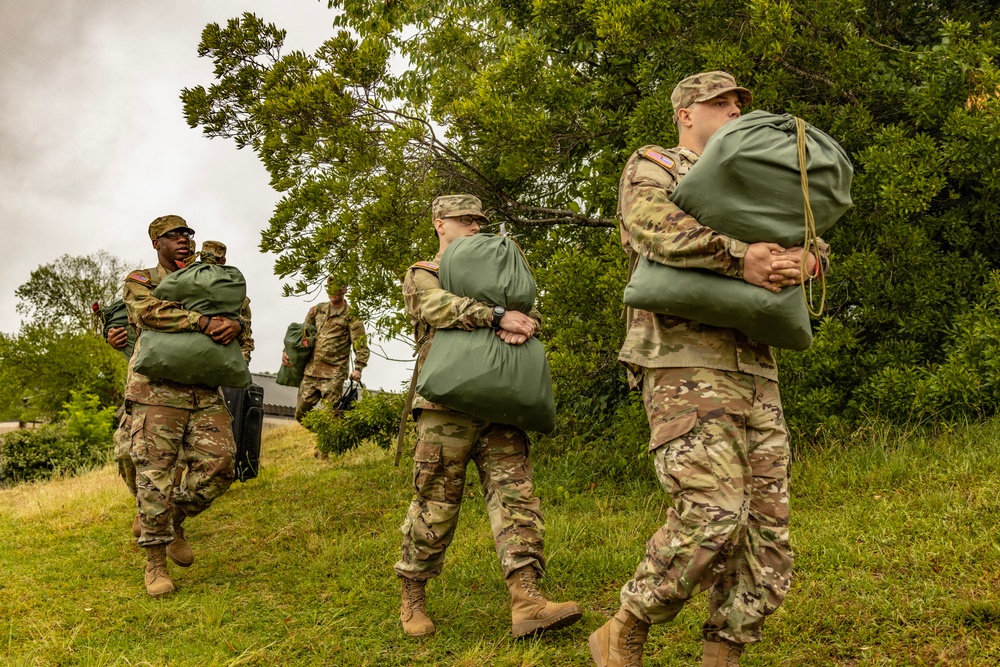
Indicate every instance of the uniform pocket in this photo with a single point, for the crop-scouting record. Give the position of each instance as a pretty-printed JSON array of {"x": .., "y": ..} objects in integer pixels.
[
  {"x": 681, "y": 460},
  {"x": 427, "y": 452},
  {"x": 137, "y": 439},
  {"x": 672, "y": 427}
]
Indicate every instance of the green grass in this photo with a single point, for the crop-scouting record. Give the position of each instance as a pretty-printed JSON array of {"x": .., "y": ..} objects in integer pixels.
[{"x": 897, "y": 563}]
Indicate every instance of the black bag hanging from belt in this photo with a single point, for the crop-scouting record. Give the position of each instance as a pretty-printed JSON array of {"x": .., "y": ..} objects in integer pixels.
[{"x": 246, "y": 405}]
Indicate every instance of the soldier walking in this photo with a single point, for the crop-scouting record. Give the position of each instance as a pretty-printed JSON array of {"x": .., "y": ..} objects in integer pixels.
[
  {"x": 717, "y": 432},
  {"x": 172, "y": 423},
  {"x": 338, "y": 331},
  {"x": 447, "y": 440}
]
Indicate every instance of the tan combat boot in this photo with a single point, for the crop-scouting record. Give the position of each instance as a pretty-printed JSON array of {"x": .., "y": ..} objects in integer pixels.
[
  {"x": 157, "y": 580},
  {"x": 416, "y": 622},
  {"x": 180, "y": 549},
  {"x": 530, "y": 612},
  {"x": 136, "y": 528},
  {"x": 721, "y": 654},
  {"x": 619, "y": 642}
]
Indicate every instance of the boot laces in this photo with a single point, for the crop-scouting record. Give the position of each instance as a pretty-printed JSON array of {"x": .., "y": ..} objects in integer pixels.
[
  {"x": 530, "y": 586},
  {"x": 635, "y": 639},
  {"x": 415, "y": 594}
]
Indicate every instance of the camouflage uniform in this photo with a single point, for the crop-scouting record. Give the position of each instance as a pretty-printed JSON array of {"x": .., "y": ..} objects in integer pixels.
[
  {"x": 717, "y": 433},
  {"x": 174, "y": 424},
  {"x": 338, "y": 330},
  {"x": 447, "y": 440}
]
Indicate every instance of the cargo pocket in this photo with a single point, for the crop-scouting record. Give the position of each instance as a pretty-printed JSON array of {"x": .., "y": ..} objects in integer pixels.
[
  {"x": 428, "y": 471},
  {"x": 137, "y": 440},
  {"x": 682, "y": 462},
  {"x": 427, "y": 452}
]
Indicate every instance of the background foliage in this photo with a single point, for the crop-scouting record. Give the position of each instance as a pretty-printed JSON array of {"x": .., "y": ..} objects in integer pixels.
[
  {"x": 375, "y": 417},
  {"x": 77, "y": 442},
  {"x": 535, "y": 106},
  {"x": 56, "y": 353}
]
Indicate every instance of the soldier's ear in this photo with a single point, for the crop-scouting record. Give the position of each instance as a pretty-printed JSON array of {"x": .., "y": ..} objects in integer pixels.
[{"x": 156, "y": 244}]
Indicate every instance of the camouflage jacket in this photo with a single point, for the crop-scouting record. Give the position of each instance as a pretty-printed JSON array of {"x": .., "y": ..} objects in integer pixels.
[
  {"x": 145, "y": 311},
  {"x": 431, "y": 307},
  {"x": 654, "y": 227},
  {"x": 337, "y": 331}
]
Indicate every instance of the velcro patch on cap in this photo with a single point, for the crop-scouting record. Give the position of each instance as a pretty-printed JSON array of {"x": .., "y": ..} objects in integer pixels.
[
  {"x": 430, "y": 266},
  {"x": 659, "y": 158},
  {"x": 139, "y": 277}
]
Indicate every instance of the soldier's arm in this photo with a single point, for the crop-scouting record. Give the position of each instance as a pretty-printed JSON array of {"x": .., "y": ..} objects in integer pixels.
[
  {"x": 359, "y": 340},
  {"x": 661, "y": 232},
  {"x": 246, "y": 335},
  {"x": 426, "y": 301},
  {"x": 148, "y": 312},
  {"x": 537, "y": 317}
]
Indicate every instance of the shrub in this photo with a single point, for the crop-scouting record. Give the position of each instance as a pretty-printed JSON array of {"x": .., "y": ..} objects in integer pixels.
[
  {"x": 77, "y": 443},
  {"x": 375, "y": 417}
]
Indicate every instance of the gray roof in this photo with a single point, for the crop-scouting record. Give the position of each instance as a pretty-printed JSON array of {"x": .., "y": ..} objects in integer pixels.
[{"x": 278, "y": 399}]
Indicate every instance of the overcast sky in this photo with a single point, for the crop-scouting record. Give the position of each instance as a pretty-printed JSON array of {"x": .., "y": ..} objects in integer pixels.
[{"x": 93, "y": 146}]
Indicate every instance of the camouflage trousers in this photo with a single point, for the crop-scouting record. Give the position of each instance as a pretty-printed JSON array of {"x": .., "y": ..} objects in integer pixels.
[
  {"x": 721, "y": 451},
  {"x": 123, "y": 456},
  {"x": 312, "y": 390},
  {"x": 163, "y": 438},
  {"x": 446, "y": 442}
]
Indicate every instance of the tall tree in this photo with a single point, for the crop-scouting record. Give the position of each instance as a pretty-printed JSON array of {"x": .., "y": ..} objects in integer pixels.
[
  {"x": 535, "y": 106},
  {"x": 56, "y": 352},
  {"x": 60, "y": 293}
]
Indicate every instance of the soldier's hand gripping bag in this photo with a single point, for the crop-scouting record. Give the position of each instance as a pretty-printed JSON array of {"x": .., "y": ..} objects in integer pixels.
[
  {"x": 115, "y": 316},
  {"x": 747, "y": 185},
  {"x": 297, "y": 353},
  {"x": 191, "y": 357},
  {"x": 475, "y": 372}
]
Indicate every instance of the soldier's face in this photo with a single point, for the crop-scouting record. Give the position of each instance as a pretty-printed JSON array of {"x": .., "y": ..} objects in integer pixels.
[
  {"x": 707, "y": 117},
  {"x": 456, "y": 227},
  {"x": 174, "y": 245}
]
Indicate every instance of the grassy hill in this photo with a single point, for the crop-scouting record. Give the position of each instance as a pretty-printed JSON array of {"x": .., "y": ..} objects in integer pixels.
[{"x": 896, "y": 539}]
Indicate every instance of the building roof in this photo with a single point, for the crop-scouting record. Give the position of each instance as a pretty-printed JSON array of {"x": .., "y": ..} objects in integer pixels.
[{"x": 278, "y": 399}]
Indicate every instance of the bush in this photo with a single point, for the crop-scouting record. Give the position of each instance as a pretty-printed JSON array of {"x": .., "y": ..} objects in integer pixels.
[
  {"x": 77, "y": 443},
  {"x": 375, "y": 417}
]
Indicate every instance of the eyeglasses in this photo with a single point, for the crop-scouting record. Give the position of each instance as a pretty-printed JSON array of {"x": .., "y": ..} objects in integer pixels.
[
  {"x": 175, "y": 234},
  {"x": 466, "y": 220}
]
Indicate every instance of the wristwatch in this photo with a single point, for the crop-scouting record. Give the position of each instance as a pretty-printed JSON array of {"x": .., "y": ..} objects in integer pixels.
[{"x": 498, "y": 313}]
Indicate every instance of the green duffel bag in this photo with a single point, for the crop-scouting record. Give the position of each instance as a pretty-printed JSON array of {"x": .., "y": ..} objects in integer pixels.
[
  {"x": 191, "y": 357},
  {"x": 475, "y": 372},
  {"x": 747, "y": 185},
  {"x": 115, "y": 316},
  {"x": 298, "y": 354}
]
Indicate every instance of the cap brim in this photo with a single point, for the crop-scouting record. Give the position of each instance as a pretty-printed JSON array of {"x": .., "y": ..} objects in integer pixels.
[
  {"x": 745, "y": 95},
  {"x": 477, "y": 214}
]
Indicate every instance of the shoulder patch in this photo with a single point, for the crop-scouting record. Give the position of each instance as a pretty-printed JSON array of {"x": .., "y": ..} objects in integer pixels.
[
  {"x": 659, "y": 158},
  {"x": 312, "y": 310},
  {"x": 429, "y": 266},
  {"x": 139, "y": 277}
]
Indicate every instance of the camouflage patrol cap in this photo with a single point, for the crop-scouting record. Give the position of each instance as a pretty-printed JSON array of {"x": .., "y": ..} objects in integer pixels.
[
  {"x": 450, "y": 206},
  {"x": 166, "y": 223},
  {"x": 213, "y": 252},
  {"x": 706, "y": 86}
]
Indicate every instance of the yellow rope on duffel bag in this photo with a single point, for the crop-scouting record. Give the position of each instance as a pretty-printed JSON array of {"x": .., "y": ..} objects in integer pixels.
[{"x": 811, "y": 242}]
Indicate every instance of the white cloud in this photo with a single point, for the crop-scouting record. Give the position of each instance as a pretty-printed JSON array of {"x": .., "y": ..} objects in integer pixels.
[{"x": 94, "y": 146}]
